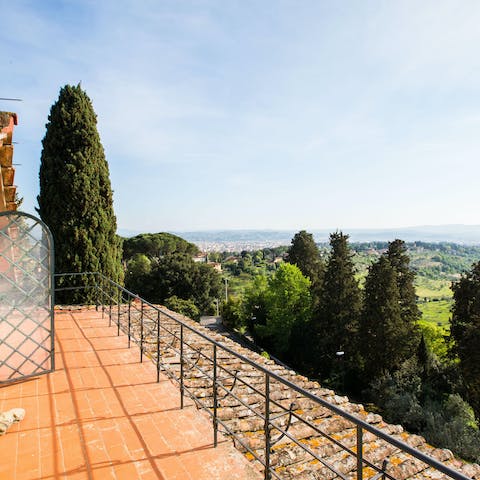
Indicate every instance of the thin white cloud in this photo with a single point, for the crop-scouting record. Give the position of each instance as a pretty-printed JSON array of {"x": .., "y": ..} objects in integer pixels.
[{"x": 288, "y": 111}]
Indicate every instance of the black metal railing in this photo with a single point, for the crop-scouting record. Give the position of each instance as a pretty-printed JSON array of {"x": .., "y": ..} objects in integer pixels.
[{"x": 183, "y": 352}]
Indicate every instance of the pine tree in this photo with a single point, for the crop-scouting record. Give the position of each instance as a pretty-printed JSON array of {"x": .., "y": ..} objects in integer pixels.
[
  {"x": 389, "y": 332},
  {"x": 410, "y": 313},
  {"x": 465, "y": 332},
  {"x": 75, "y": 198},
  {"x": 304, "y": 253},
  {"x": 336, "y": 321},
  {"x": 382, "y": 331}
]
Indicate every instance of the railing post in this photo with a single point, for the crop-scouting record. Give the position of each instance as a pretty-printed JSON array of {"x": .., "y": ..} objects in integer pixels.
[
  {"x": 96, "y": 292},
  {"x": 110, "y": 309},
  {"x": 267, "y": 426},
  {"x": 102, "y": 295},
  {"x": 129, "y": 319},
  {"x": 359, "y": 453},
  {"x": 119, "y": 296},
  {"x": 215, "y": 400},
  {"x": 181, "y": 365},
  {"x": 141, "y": 331},
  {"x": 384, "y": 468},
  {"x": 118, "y": 312},
  {"x": 158, "y": 346}
]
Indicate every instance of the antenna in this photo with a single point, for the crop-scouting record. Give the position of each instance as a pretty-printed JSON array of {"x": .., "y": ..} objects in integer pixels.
[{"x": 11, "y": 99}]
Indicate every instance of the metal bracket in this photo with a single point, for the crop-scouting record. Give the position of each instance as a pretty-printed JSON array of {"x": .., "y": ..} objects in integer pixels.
[
  {"x": 230, "y": 390},
  {"x": 289, "y": 422}
]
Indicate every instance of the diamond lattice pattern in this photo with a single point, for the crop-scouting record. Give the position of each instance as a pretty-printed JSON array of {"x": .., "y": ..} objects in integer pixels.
[{"x": 25, "y": 297}]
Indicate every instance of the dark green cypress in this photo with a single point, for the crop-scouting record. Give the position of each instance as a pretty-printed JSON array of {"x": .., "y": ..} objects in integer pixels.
[
  {"x": 304, "y": 253},
  {"x": 465, "y": 332},
  {"x": 381, "y": 331},
  {"x": 410, "y": 313},
  {"x": 75, "y": 198},
  {"x": 336, "y": 321}
]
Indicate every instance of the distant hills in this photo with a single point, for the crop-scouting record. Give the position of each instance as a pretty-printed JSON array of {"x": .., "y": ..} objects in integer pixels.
[{"x": 245, "y": 239}]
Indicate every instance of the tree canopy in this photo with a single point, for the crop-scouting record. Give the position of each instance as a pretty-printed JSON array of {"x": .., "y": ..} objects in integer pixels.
[
  {"x": 287, "y": 301},
  {"x": 174, "y": 275},
  {"x": 157, "y": 245}
]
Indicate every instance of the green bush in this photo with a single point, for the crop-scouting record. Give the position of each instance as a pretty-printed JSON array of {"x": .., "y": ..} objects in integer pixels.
[
  {"x": 451, "y": 424},
  {"x": 184, "y": 307}
]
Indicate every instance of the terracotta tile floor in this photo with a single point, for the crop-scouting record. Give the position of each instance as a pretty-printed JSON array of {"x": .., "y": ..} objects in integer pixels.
[{"x": 101, "y": 415}]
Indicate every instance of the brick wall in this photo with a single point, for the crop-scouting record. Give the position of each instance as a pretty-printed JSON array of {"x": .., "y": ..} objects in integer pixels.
[{"x": 7, "y": 189}]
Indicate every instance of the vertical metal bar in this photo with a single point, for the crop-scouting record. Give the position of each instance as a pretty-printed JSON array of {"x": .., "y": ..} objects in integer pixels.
[
  {"x": 141, "y": 331},
  {"x": 359, "y": 453},
  {"x": 96, "y": 292},
  {"x": 181, "y": 365},
  {"x": 384, "y": 468},
  {"x": 215, "y": 399},
  {"x": 158, "y": 346},
  {"x": 103, "y": 295},
  {"x": 51, "y": 261},
  {"x": 118, "y": 312},
  {"x": 129, "y": 320},
  {"x": 110, "y": 309},
  {"x": 267, "y": 426}
]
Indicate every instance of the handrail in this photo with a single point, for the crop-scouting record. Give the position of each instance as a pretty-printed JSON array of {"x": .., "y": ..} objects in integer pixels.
[{"x": 359, "y": 423}]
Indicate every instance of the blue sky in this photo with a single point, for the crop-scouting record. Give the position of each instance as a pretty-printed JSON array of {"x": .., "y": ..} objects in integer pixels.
[{"x": 260, "y": 114}]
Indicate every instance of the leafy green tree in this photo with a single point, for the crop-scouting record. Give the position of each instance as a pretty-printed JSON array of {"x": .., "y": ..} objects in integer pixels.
[
  {"x": 138, "y": 271},
  {"x": 178, "y": 275},
  {"x": 384, "y": 336},
  {"x": 232, "y": 313},
  {"x": 451, "y": 424},
  {"x": 207, "y": 287},
  {"x": 287, "y": 301},
  {"x": 254, "y": 304},
  {"x": 398, "y": 395},
  {"x": 185, "y": 307},
  {"x": 434, "y": 337},
  {"x": 75, "y": 198},
  {"x": 428, "y": 408},
  {"x": 465, "y": 332},
  {"x": 335, "y": 322},
  {"x": 304, "y": 253}
]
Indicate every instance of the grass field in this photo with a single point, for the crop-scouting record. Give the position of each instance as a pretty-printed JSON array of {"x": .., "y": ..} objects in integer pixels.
[
  {"x": 437, "y": 313},
  {"x": 430, "y": 289}
]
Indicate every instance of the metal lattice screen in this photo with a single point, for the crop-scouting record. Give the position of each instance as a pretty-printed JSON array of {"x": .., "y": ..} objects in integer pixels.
[{"x": 26, "y": 297}]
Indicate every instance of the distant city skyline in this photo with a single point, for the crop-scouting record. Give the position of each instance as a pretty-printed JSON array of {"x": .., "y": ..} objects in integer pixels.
[
  {"x": 274, "y": 115},
  {"x": 237, "y": 240}
]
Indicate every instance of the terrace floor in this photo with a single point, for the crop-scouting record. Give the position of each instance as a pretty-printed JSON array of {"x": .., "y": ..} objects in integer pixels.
[{"x": 101, "y": 415}]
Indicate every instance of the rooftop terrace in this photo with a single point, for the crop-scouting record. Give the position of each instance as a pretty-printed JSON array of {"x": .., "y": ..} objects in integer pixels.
[{"x": 102, "y": 415}]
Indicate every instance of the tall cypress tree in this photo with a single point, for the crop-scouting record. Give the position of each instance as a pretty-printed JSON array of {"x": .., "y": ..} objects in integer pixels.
[
  {"x": 304, "y": 253},
  {"x": 465, "y": 332},
  {"x": 75, "y": 198},
  {"x": 410, "y": 313},
  {"x": 384, "y": 337},
  {"x": 336, "y": 321}
]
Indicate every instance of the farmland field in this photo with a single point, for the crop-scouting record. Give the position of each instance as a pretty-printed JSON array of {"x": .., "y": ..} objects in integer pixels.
[{"x": 436, "y": 312}]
